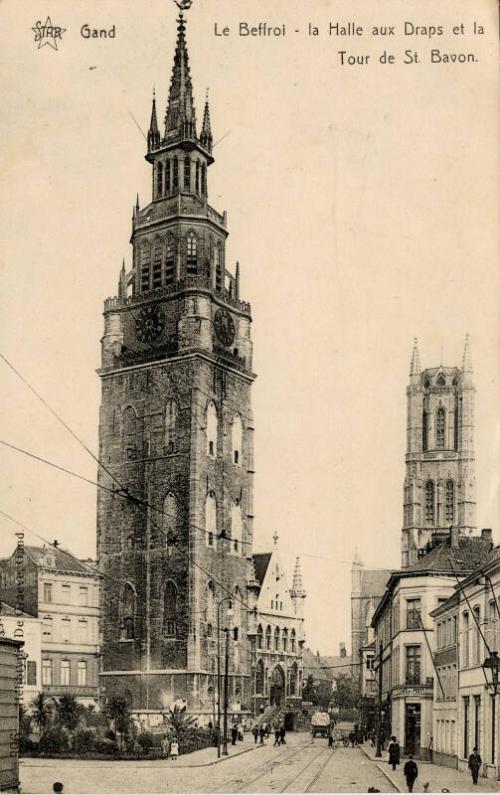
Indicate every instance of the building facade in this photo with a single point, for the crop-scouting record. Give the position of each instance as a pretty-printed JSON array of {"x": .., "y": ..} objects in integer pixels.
[
  {"x": 26, "y": 629},
  {"x": 445, "y": 705},
  {"x": 63, "y": 594},
  {"x": 367, "y": 589},
  {"x": 174, "y": 527},
  {"x": 276, "y": 632},
  {"x": 439, "y": 487}
]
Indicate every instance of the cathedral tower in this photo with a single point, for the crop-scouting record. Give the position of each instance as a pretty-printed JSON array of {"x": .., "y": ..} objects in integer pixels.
[
  {"x": 174, "y": 521},
  {"x": 439, "y": 488}
]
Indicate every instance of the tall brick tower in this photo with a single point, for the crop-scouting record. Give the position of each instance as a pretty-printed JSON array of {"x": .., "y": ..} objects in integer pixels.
[
  {"x": 439, "y": 488},
  {"x": 174, "y": 533}
]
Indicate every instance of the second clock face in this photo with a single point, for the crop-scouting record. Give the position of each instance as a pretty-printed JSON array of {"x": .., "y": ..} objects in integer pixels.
[
  {"x": 149, "y": 323},
  {"x": 224, "y": 327}
]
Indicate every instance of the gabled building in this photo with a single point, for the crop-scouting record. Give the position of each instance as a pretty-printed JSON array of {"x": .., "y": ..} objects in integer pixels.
[
  {"x": 63, "y": 593},
  {"x": 277, "y": 634},
  {"x": 20, "y": 626},
  {"x": 405, "y": 641},
  {"x": 367, "y": 588}
]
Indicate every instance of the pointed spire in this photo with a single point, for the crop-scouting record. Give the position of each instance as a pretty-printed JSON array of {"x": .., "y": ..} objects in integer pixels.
[
  {"x": 206, "y": 138},
  {"x": 153, "y": 132},
  {"x": 297, "y": 591},
  {"x": 180, "y": 118},
  {"x": 122, "y": 282},
  {"x": 467, "y": 360},
  {"x": 415, "y": 368},
  {"x": 237, "y": 281}
]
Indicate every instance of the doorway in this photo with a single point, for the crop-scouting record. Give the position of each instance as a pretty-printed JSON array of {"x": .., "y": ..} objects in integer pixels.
[
  {"x": 412, "y": 729},
  {"x": 277, "y": 688}
]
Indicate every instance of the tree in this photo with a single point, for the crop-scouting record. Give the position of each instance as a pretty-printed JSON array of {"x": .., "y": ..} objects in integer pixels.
[
  {"x": 69, "y": 712},
  {"x": 180, "y": 721},
  {"x": 346, "y": 695},
  {"x": 308, "y": 689},
  {"x": 41, "y": 716},
  {"x": 118, "y": 710}
]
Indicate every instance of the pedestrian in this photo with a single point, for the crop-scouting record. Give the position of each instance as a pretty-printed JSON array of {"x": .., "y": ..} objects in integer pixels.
[
  {"x": 410, "y": 773},
  {"x": 282, "y": 734},
  {"x": 331, "y": 737},
  {"x": 475, "y": 763},
  {"x": 234, "y": 734},
  {"x": 165, "y": 747},
  {"x": 394, "y": 753},
  {"x": 255, "y": 732},
  {"x": 174, "y": 749},
  {"x": 277, "y": 736},
  {"x": 262, "y": 734},
  {"x": 240, "y": 732}
]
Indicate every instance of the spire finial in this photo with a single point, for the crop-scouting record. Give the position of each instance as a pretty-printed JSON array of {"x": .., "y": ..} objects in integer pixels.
[
  {"x": 275, "y": 538},
  {"x": 415, "y": 368},
  {"x": 467, "y": 357}
]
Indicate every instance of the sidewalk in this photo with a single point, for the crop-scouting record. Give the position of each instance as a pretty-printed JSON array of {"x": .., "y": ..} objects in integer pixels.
[
  {"x": 439, "y": 777},
  {"x": 205, "y": 757}
]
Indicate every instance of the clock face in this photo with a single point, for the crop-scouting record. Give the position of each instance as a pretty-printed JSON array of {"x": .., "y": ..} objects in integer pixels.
[
  {"x": 149, "y": 323},
  {"x": 224, "y": 327}
]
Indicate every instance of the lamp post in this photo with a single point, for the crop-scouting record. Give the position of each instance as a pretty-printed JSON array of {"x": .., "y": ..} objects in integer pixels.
[
  {"x": 229, "y": 613},
  {"x": 378, "y": 751},
  {"x": 490, "y": 668}
]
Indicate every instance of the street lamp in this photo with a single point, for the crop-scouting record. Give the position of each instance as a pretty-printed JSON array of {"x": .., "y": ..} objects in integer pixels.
[
  {"x": 490, "y": 669},
  {"x": 229, "y": 613}
]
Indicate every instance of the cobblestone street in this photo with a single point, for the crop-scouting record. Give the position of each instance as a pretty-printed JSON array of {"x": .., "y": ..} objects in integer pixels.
[{"x": 300, "y": 766}]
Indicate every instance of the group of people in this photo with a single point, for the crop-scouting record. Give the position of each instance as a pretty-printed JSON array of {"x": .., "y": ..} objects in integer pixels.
[
  {"x": 170, "y": 748},
  {"x": 410, "y": 769}
]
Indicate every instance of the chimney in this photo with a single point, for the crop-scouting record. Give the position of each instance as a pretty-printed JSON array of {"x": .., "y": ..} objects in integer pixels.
[
  {"x": 343, "y": 652},
  {"x": 487, "y": 534}
]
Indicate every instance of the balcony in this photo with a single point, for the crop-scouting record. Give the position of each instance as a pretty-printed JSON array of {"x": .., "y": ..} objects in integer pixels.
[{"x": 79, "y": 691}]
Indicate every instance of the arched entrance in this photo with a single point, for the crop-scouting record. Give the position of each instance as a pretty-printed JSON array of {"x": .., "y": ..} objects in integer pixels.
[{"x": 277, "y": 687}]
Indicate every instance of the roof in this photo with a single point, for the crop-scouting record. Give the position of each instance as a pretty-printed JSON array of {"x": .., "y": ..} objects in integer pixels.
[
  {"x": 63, "y": 561},
  {"x": 374, "y": 581},
  {"x": 7, "y": 610},
  {"x": 260, "y": 564},
  {"x": 469, "y": 553}
]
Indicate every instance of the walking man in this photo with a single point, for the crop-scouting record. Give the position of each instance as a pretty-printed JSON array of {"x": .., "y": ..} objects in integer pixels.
[
  {"x": 277, "y": 736},
  {"x": 262, "y": 734},
  {"x": 255, "y": 732},
  {"x": 475, "y": 763},
  {"x": 394, "y": 753},
  {"x": 410, "y": 773},
  {"x": 282, "y": 734}
]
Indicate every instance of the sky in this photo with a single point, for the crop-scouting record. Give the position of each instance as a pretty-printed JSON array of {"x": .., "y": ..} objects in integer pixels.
[{"x": 362, "y": 207}]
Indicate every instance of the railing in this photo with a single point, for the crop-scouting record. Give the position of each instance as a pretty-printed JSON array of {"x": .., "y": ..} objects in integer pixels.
[
  {"x": 189, "y": 283},
  {"x": 71, "y": 690}
]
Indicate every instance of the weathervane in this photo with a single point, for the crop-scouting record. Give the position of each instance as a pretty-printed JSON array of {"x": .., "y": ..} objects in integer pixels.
[{"x": 183, "y": 5}]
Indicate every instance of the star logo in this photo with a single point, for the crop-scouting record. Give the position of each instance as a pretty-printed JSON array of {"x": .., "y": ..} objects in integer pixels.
[{"x": 47, "y": 33}]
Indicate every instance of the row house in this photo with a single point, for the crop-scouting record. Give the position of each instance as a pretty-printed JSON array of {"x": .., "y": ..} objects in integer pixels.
[
  {"x": 466, "y": 712},
  {"x": 405, "y": 639},
  {"x": 26, "y": 630},
  {"x": 63, "y": 593}
]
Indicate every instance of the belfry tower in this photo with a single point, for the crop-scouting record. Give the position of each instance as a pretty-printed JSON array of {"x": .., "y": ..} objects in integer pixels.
[
  {"x": 439, "y": 488},
  {"x": 174, "y": 519}
]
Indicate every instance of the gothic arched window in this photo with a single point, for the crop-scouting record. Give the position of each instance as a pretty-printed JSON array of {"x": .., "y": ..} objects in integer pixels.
[
  {"x": 197, "y": 176},
  {"x": 170, "y": 609},
  {"x": 450, "y": 501},
  {"x": 212, "y": 423},
  {"x": 127, "y": 611},
  {"x": 145, "y": 267},
  {"x": 284, "y": 638},
  {"x": 455, "y": 424},
  {"x": 292, "y": 641},
  {"x": 204, "y": 179},
  {"x": 260, "y": 637},
  {"x": 268, "y": 638},
  {"x": 425, "y": 430},
  {"x": 171, "y": 420},
  {"x": 210, "y": 519},
  {"x": 292, "y": 681},
  {"x": 277, "y": 639},
  {"x": 159, "y": 181},
  {"x": 192, "y": 254},
  {"x": 175, "y": 175},
  {"x": 210, "y": 603},
  {"x": 429, "y": 502},
  {"x": 170, "y": 519},
  {"x": 237, "y": 439},
  {"x": 440, "y": 428},
  {"x": 187, "y": 173},
  {"x": 236, "y": 528},
  {"x": 170, "y": 260},
  {"x": 441, "y": 380},
  {"x": 259, "y": 678},
  {"x": 157, "y": 264},
  {"x": 168, "y": 176},
  {"x": 218, "y": 267}
]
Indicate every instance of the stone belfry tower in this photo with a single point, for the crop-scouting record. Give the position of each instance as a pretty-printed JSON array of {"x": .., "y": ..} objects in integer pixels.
[
  {"x": 439, "y": 488},
  {"x": 174, "y": 529}
]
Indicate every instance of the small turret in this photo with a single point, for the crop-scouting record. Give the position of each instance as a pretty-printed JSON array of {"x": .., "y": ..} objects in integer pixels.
[
  {"x": 122, "y": 282},
  {"x": 153, "y": 132},
  {"x": 206, "y": 138}
]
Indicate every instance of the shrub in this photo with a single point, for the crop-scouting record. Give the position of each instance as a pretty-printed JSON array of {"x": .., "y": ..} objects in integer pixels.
[
  {"x": 194, "y": 739},
  {"x": 146, "y": 741},
  {"x": 106, "y": 746},
  {"x": 54, "y": 741},
  {"x": 84, "y": 741}
]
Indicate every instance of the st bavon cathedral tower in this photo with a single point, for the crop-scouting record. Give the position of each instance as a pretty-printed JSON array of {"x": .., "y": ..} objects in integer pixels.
[
  {"x": 174, "y": 519},
  {"x": 439, "y": 488}
]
